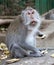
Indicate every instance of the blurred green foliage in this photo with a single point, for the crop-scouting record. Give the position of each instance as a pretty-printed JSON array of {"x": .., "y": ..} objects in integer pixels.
[{"x": 13, "y": 7}]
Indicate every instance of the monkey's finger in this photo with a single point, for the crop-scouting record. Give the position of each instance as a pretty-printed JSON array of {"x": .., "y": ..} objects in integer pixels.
[
  {"x": 42, "y": 37},
  {"x": 44, "y": 51}
]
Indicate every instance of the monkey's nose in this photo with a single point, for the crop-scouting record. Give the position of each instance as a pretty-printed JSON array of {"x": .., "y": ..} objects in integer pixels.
[{"x": 31, "y": 17}]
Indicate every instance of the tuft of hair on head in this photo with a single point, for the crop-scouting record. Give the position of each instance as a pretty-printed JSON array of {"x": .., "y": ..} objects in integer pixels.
[{"x": 28, "y": 8}]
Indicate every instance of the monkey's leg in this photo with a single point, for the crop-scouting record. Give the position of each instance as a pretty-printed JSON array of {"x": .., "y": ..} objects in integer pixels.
[
  {"x": 18, "y": 52},
  {"x": 36, "y": 52},
  {"x": 15, "y": 51}
]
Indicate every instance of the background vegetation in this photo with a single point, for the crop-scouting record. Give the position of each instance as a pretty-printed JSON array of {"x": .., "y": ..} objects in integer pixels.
[{"x": 13, "y": 7}]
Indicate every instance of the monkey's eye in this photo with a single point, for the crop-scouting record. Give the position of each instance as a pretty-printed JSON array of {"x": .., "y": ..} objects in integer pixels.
[
  {"x": 33, "y": 12},
  {"x": 28, "y": 13}
]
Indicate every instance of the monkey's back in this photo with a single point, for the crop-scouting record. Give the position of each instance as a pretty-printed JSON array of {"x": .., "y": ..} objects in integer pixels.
[{"x": 16, "y": 32}]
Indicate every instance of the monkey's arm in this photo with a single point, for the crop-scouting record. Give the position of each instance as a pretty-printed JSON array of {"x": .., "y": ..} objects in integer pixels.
[{"x": 41, "y": 34}]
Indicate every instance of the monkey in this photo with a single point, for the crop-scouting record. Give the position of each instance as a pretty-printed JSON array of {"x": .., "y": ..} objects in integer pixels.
[
  {"x": 52, "y": 15},
  {"x": 20, "y": 36}
]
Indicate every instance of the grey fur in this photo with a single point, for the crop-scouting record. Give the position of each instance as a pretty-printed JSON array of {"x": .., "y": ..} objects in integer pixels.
[{"x": 15, "y": 40}]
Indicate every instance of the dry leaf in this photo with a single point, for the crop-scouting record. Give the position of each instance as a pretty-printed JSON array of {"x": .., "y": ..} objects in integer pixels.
[
  {"x": 12, "y": 60},
  {"x": 3, "y": 57},
  {"x": 6, "y": 52},
  {"x": 52, "y": 55},
  {"x": 3, "y": 45},
  {"x": 5, "y": 49},
  {"x": 1, "y": 49}
]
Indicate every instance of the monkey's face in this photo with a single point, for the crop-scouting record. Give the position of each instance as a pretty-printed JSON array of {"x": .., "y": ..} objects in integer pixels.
[{"x": 30, "y": 17}]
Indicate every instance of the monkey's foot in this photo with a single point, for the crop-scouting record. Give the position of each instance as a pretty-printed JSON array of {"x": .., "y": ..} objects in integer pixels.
[{"x": 38, "y": 54}]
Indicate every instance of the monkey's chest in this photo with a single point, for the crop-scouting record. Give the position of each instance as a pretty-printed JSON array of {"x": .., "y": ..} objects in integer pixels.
[{"x": 31, "y": 40}]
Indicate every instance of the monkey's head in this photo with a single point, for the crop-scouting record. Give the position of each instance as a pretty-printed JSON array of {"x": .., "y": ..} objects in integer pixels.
[{"x": 30, "y": 17}]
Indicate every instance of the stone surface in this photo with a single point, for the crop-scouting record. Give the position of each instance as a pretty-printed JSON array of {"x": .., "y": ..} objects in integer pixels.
[{"x": 46, "y": 60}]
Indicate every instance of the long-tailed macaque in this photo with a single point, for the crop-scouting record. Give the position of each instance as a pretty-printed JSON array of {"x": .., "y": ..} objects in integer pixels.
[
  {"x": 21, "y": 34},
  {"x": 52, "y": 15}
]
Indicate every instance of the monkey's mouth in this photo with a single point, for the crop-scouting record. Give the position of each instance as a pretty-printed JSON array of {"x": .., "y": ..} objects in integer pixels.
[{"x": 33, "y": 23}]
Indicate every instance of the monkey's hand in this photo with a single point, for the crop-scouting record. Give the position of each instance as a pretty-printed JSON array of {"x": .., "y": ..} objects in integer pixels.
[{"x": 42, "y": 36}]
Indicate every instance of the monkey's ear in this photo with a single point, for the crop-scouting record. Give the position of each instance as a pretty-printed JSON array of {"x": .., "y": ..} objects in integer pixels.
[{"x": 22, "y": 13}]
